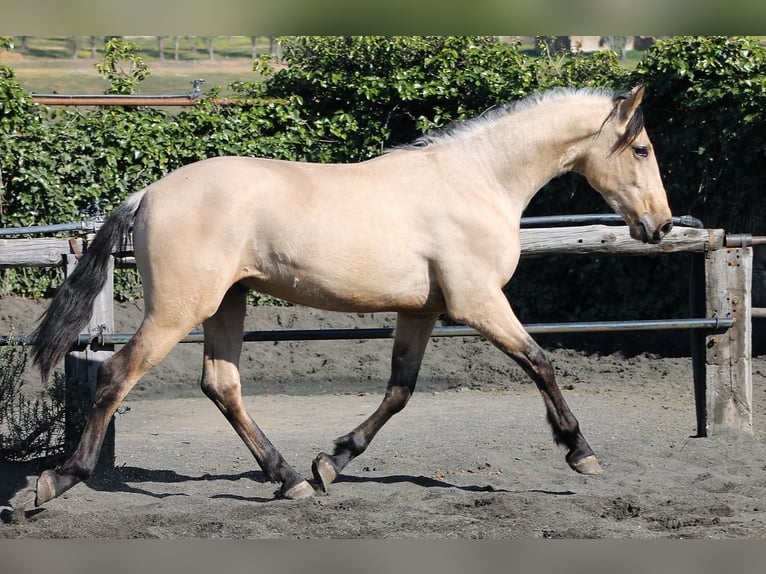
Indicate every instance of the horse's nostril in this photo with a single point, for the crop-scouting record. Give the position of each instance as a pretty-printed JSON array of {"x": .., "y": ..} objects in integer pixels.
[
  {"x": 660, "y": 232},
  {"x": 665, "y": 228}
]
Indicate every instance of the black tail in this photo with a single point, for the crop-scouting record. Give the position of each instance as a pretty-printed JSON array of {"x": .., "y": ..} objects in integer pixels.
[{"x": 69, "y": 312}]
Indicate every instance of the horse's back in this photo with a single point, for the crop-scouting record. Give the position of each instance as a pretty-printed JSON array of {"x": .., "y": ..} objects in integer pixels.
[{"x": 223, "y": 184}]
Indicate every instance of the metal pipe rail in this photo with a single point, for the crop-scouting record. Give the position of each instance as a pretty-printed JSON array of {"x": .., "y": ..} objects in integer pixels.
[
  {"x": 743, "y": 240},
  {"x": 526, "y": 222},
  {"x": 108, "y": 339},
  {"x": 187, "y": 99},
  {"x": 90, "y": 225},
  {"x": 108, "y": 100},
  {"x": 596, "y": 219}
]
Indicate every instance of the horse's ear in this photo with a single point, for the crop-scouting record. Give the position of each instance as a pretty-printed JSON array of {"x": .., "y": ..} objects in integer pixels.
[{"x": 629, "y": 105}]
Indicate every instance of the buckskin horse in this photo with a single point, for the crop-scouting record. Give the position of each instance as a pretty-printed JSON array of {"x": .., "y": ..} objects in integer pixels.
[{"x": 422, "y": 230}]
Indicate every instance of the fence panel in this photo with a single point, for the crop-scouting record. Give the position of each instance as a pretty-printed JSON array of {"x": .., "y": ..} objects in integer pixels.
[{"x": 721, "y": 328}]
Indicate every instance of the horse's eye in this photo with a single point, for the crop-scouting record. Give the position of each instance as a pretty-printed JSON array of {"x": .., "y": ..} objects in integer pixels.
[{"x": 641, "y": 151}]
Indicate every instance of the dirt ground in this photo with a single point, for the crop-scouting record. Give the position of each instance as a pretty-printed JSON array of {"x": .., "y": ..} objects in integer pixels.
[{"x": 470, "y": 457}]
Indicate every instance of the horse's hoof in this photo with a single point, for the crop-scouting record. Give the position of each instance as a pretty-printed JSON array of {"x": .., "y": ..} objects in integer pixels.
[
  {"x": 301, "y": 490},
  {"x": 587, "y": 465},
  {"x": 324, "y": 471},
  {"x": 46, "y": 487},
  {"x": 51, "y": 484}
]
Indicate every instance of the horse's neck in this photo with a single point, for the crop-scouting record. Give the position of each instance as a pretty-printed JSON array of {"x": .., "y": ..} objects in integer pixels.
[{"x": 528, "y": 148}]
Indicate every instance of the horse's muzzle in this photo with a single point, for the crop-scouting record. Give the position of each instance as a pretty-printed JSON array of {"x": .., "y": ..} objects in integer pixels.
[{"x": 650, "y": 233}]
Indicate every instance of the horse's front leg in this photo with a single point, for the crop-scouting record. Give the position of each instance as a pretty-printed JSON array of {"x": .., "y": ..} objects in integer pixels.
[
  {"x": 493, "y": 317},
  {"x": 412, "y": 335}
]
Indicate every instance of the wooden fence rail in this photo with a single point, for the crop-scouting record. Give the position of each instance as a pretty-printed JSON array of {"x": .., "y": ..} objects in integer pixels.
[
  {"x": 581, "y": 240},
  {"x": 720, "y": 289}
]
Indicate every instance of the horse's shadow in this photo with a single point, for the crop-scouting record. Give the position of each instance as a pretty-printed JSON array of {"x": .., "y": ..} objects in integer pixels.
[
  {"x": 422, "y": 481},
  {"x": 13, "y": 476},
  {"x": 427, "y": 482},
  {"x": 125, "y": 478},
  {"x": 19, "y": 477},
  {"x": 17, "y": 483}
]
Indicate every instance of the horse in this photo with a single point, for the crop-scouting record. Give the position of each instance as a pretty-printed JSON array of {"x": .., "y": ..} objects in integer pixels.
[{"x": 423, "y": 230}]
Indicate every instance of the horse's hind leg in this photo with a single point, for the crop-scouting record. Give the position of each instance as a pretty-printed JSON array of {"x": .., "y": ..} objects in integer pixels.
[
  {"x": 221, "y": 383},
  {"x": 494, "y": 319},
  {"x": 116, "y": 377},
  {"x": 411, "y": 338}
]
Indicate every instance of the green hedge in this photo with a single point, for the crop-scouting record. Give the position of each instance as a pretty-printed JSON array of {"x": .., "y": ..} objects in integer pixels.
[
  {"x": 706, "y": 110},
  {"x": 346, "y": 99}
]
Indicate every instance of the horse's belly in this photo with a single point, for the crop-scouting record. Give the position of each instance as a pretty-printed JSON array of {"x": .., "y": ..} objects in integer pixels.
[{"x": 362, "y": 289}]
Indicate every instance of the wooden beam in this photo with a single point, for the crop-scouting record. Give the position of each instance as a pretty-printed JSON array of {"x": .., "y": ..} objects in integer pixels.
[
  {"x": 579, "y": 240},
  {"x": 728, "y": 367},
  {"x": 615, "y": 240},
  {"x": 39, "y": 252}
]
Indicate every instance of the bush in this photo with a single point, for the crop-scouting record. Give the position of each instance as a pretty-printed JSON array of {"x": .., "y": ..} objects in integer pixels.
[
  {"x": 357, "y": 96},
  {"x": 29, "y": 427}
]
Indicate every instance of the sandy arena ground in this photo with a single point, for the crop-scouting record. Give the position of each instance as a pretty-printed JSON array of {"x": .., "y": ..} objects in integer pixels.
[{"x": 470, "y": 457}]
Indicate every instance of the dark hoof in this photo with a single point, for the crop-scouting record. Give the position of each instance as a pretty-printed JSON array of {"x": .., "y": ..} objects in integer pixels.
[{"x": 324, "y": 471}]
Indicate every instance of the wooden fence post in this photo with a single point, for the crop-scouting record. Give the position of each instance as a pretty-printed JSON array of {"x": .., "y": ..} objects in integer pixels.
[
  {"x": 81, "y": 368},
  {"x": 727, "y": 368}
]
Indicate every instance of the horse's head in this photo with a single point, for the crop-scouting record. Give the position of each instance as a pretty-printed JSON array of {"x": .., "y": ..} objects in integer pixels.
[{"x": 621, "y": 165}]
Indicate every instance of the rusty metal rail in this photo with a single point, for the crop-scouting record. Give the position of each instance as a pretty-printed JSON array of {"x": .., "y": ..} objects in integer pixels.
[{"x": 187, "y": 99}]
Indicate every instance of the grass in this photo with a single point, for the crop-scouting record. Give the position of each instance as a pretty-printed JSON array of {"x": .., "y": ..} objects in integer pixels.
[
  {"x": 165, "y": 79},
  {"x": 47, "y": 65}
]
